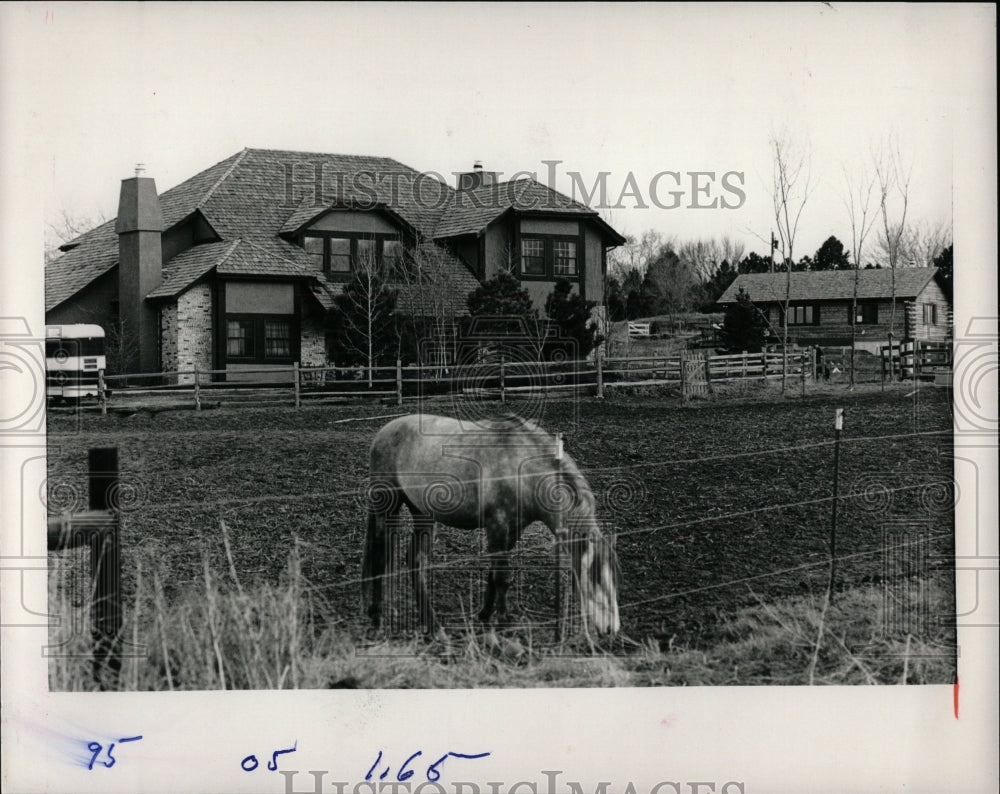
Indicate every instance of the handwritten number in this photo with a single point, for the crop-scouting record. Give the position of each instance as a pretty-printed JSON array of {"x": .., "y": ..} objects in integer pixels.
[
  {"x": 273, "y": 763},
  {"x": 250, "y": 763},
  {"x": 433, "y": 775},
  {"x": 371, "y": 771},
  {"x": 405, "y": 774},
  {"x": 95, "y": 748}
]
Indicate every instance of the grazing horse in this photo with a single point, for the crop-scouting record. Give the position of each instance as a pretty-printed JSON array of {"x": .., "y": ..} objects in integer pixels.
[{"x": 499, "y": 475}]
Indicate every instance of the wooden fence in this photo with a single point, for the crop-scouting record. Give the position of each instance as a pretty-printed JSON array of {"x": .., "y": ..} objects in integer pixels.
[
  {"x": 97, "y": 529},
  {"x": 914, "y": 358},
  {"x": 498, "y": 377}
]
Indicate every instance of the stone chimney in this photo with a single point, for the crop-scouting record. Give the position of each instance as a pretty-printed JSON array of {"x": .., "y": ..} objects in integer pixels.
[
  {"x": 477, "y": 177},
  {"x": 140, "y": 271}
]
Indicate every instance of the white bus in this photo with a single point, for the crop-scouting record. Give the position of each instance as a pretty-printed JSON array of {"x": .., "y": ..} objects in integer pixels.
[{"x": 74, "y": 354}]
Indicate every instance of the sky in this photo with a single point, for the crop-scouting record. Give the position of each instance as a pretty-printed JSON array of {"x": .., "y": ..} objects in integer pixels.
[{"x": 633, "y": 90}]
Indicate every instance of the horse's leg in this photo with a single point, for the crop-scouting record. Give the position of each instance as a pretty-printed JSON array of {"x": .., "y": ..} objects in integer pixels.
[
  {"x": 498, "y": 579},
  {"x": 420, "y": 558}
]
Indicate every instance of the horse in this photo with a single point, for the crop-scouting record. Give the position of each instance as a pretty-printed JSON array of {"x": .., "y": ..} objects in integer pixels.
[{"x": 496, "y": 474}]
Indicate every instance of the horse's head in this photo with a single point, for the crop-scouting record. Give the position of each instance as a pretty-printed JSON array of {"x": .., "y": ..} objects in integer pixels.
[{"x": 597, "y": 576}]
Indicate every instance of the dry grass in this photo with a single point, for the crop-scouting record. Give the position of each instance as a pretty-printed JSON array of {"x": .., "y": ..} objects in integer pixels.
[{"x": 228, "y": 635}]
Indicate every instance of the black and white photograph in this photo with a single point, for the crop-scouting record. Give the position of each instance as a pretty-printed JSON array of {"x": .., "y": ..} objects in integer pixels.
[{"x": 569, "y": 381}]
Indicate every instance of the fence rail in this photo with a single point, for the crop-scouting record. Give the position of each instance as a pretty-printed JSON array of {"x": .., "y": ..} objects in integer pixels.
[
  {"x": 298, "y": 384},
  {"x": 914, "y": 358}
]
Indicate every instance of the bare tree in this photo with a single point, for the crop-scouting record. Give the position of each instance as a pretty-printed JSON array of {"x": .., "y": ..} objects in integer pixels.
[
  {"x": 703, "y": 256},
  {"x": 637, "y": 253},
  {"x": 674, "y": 283},
  {"x": 920, "y": 243},
  {"x": 893, "y": 178},
  {"x": 68, "y": 227},
  {"x": 364, "y": 319},
  {"x": 791, "y": 172},
  {"x": 861, "y": 215}
]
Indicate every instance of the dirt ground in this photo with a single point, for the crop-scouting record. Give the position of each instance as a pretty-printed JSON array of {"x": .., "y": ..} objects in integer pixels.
[{"x": 716, "y": 506}]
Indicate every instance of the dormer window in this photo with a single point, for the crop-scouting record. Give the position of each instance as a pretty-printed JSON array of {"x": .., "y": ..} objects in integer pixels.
[
  {"x": 340, "y": 254},
  {"x": 549, "y": 256}
]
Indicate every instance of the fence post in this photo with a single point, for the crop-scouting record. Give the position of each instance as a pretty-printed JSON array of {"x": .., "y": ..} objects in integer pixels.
[
  {"x": 838, "y": 424},
  {"x": 599, "y": 361},
  {"x": 744, "y": 373},
  {"x": 917, "y": 353},
  {"x": 815, "y": 365},
  {"x": 399, "y": 382},
  {"x": 101, "y": 395},
  {"x": 105, "y": 564},
  {"x": 296, "y": 383},
  {"x": 503, "y": 379},
  {"x": 197, "y": 390},
  {"x": 560, "y": 596},
  {"x": 683, "y": 376},
  {"x": 708, "y": 372},
  {"x": 763, "y": 361},
  {"x": 802, "y": 367}
]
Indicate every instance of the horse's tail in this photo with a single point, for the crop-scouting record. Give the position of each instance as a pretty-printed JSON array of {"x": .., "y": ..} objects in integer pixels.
[{"x": 373, "y": 564}]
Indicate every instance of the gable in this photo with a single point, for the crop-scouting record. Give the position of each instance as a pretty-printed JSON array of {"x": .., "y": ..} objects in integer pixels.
[{"x": 354, "y": 221}]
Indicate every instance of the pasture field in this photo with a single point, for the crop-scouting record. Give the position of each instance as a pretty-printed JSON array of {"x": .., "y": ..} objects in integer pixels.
[{"x": 722, "y": 512}]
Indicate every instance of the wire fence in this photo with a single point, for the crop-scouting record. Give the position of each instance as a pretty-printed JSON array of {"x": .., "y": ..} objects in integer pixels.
[{"x": 462, "y": 565}]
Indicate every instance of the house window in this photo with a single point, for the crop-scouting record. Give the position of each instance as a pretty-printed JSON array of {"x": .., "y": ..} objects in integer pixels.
[
  {"x": 340, "y": 254},
  {"x": 564, "y": 252},
  {"x": 930, "y": 314},
  {"x": 277, "y": 339},
  {"x": 532, "y": 257},
  {"x": 239, "y": 338},
  {"x": 864, "y": 314},
  {"x": 549, "y": 257},
  {"x": 803, "y": 315},
  {"x": 314, "y": 247},
  {"x": 392, "y": 255},
  {"x": 261, "y": 338}
]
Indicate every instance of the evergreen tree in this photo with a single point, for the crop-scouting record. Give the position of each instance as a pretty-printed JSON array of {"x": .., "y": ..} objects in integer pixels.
[
  {"x": 501, "y": 295},
  {"x": 574, "y": 317},
  {"x": 832, "y": 256},
  {"x": 943, "y": 262},
  {"x": 744, "y": 327}
]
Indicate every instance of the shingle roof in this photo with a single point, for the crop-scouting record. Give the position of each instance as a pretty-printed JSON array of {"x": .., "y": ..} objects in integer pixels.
[
  {"x": 830, "y": 285},
  {"x": 189, "y": 266},
  {"x": 470, "y": 211},
  {"x": 245, "y": 198}
]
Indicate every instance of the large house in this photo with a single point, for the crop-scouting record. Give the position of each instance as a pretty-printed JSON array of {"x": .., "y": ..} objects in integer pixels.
[
  {"x": 821, "y": 305},
  {"x": 236, "y": 267}
]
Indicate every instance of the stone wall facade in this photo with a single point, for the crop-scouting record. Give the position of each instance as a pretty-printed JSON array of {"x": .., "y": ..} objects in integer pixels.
[
  {"x": 312, "y": 350},
  {"x": 186, "y": 339}
]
